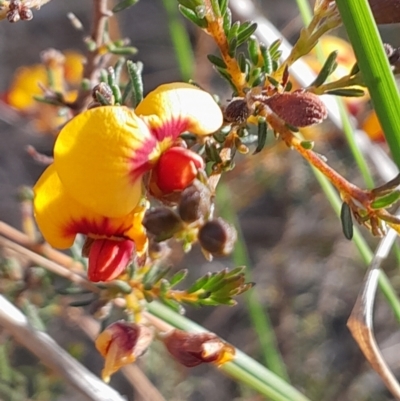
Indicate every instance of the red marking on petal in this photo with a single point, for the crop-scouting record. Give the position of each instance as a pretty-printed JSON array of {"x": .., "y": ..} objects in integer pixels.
[
  {"x": 97, "y": 227},
  {"x": 140, "y": 161},
  {"x": 108, "y": 259},
  {"x": 170, "y": 128}
]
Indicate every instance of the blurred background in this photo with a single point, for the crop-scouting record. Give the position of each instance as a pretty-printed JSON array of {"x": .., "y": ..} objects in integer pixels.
[{"x": 307, "y": 274}]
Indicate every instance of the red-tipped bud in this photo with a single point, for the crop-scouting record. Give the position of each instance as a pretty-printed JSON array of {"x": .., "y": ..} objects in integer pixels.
[
  {"x": 109, "y": 258},
  {"x": 176, "y": 169}
]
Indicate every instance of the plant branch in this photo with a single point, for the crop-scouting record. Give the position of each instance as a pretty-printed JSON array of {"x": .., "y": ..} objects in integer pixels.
[{"x": 50, "y": 353}]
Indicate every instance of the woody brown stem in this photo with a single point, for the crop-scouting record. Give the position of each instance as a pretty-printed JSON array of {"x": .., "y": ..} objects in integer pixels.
[{"x": 346, "y": 189}]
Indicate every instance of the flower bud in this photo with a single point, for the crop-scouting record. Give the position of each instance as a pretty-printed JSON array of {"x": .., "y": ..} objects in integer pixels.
[
  {"x": 299, "y": 108},
  {"x": 176, "y": 169},
  {"x": 162, "y": 223},
  {"x": 103, "y": 94},
  {"x": 217, "y": 237},
  {"x": 192, "y": 349},
  {"x": 122, "y": 343},
  {"x": 236, "y": 111},
  {"x": 195, "y": 202},
  {"x": 109, "y": 258}
]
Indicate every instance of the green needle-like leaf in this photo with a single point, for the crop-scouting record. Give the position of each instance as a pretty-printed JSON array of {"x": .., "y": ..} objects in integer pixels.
[{"x": 374, "y": 65}]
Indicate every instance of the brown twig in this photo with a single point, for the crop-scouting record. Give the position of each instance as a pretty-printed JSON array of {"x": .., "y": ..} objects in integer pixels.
[
  {"x": 94, "y": 58},
  {"x": 40, "y": 248},
  {"x": 50, "y": 353}
]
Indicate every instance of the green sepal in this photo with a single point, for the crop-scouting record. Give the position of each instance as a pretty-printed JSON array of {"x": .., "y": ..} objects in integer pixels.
[
  {"x": 216, "y": 61},
  {"x": 135, "y": 76},
  {"x": 245, "y": 31},
  {"x": 326, "y": 70},
  {"x": 192, "y": 16},
  {"x": 123, "y": 51},
  {"x": 253, "y": 49},
  {"x": 227, "y": 23},
  {"x": 198, "y": 284},
  {"x": 386, "y": 201},
  {"x": 215, "y": 8},
  {"x": 267, "y": 59},
  {"x": 233, "y": 31},
  {"x": 261, "y": 135},
  {"x": 307, "y": 145},
  {"x": 212, "y": 153},
  {"x": 83, "y": 302},
  {"x": 347, "y": 221},
  {"x": 102, "y": 99},
  {"x": 241, "y": 59},
  {"x": 223, "y": 6},
  {"x": 178, "y": 277},
  {"x": 232, "y": 46},
  {"x": 123, "y": 5},
  {"x": 274, "y": 49},
  {"x": 119, "y": 286},
  {"x": 346, "y": 92}
]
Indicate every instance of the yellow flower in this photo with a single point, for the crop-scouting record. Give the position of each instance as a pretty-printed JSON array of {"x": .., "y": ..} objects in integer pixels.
[
  {"x": 94, "y": 186},
  {"x": 102, "y": 154},
  {"x": 115, "y": 240}
]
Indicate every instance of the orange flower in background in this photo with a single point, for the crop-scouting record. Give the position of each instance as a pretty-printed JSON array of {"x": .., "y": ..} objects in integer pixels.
[
  {"x": 60, "y": 73},
  {"x": 94, "y": 187}
]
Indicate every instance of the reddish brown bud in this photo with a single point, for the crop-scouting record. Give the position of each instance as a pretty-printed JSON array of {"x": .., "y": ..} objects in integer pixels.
[
  {"x": 13, "y": 16},
  {"x": 162, "y": 223},
  {"x": 122, "y": 343},
  {"x": 298, "y": 108},
  {"x": 217, "y": 237},
  {"x": 236, "y": 111},
  {"x": 192, "y": 349},
  {"x": 195, "y": 202},
  {"x": 25, "y": 13}
]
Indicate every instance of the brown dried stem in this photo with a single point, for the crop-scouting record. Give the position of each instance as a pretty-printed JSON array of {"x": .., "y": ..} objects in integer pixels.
[
  {"x": 347, "y": 190},
  {"x": 50, "y": 353}
]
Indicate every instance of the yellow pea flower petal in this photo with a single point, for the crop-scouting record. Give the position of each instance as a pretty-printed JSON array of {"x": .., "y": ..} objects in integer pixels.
[
  {"x": 60, "y": 217},
  {"x": 177, "y": 107},
  {"x": 100, "y": 156}
]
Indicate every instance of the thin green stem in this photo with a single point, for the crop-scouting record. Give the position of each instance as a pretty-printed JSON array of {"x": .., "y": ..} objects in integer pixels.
[
  {"x": 258, "y": 315},
  {"x": 374, "y": 65},
  {"x": 180, "y": 40},
  {"x": 243, "y": 368}
]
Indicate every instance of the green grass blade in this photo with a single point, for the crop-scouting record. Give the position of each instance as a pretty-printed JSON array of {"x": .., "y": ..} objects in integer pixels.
[{"x": 374, "y": 65}]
